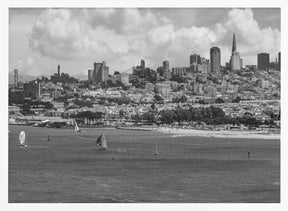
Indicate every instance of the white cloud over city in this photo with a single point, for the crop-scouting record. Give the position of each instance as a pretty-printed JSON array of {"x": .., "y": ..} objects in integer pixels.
[{"x": 121, "y": 37}]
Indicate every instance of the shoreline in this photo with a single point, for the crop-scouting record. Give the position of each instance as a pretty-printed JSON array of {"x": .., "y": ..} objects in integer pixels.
[
  {"x": 180, "y": 132},
  {"x": 175, "y": 132}
]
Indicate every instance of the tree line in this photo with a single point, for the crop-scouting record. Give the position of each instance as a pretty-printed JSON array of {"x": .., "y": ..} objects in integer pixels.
[{"x": 210, "y": 115}]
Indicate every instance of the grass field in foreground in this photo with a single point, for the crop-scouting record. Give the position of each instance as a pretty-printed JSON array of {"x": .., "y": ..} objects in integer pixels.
[{"x": 69, "y": 168}]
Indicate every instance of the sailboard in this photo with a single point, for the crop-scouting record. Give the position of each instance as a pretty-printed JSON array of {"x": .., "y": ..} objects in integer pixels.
[
  {"x": 76, "y": 128},
  {"x": 156, "y": 149},
  {"x": 101, "y": 142},
  {"x": 22, "y": 139}
]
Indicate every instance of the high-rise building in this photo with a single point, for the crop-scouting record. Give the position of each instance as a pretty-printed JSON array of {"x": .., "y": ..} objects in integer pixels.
[
  {"x": 263, "y": 61},
  {"x": 15, "y": 78},
  {"x": 90, "y": 75},
  {"x": 195, "y": 59},
  {"x": 58, "y": 70},
  {"x": 166, "y": 70},
  {"x": 235, "y": 56},
  {"x": 100, "y": 73},
  {"x": 279, "y": 60},
  {"x": 32, "y": 89},
  {"x": 142, "y": 64},
  {"x": 215, "y": 59}
]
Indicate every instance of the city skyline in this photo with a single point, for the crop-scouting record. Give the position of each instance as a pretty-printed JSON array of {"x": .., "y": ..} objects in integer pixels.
[{"x": 75, "y": 38}]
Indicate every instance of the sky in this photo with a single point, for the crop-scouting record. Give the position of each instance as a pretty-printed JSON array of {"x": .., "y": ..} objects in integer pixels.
[{"x": 42, "y": 38}]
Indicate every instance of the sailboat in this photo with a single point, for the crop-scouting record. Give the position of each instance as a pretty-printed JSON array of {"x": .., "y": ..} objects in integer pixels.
[
  {"x": 76, "y": 128},
  {"x": 22, "y": 139},
  {"x": 101, "y": 142},
  {"x": 156, "y": 149}
]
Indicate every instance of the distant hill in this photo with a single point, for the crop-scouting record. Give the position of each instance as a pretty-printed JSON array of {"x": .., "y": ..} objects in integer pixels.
[
  {"x": 80, "y": 77},
  {"x": 25, "y": 77}
]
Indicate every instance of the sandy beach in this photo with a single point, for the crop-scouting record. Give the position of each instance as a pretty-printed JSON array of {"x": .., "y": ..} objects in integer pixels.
[{"x": 177, "y": 132}]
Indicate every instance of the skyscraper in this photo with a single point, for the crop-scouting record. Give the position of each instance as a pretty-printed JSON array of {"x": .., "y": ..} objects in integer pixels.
[
  {"x": 279, "y": 60},
  {"x": 166, "y": 71},
  {"x": 235, "y": 56},
  {"x": 15, "y": 78},
  {"x": 241, "y": 63},
  {"x": 142, "y": 64},
  {"x": 58, "y": 70},
  {"x": 195, "y": 59},
  {"x": 99, "y": 73},
  {"x": 89, "y": 75},
  {"x": 215, "y": 59},
  {"x": 263, "y": 61}
]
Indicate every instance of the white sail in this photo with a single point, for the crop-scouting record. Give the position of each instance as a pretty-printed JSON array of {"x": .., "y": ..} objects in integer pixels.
[
  {"x": 156, "y": 149},
  {"x": 76, "y": 127},
  {"x": 22, "y": 138}
]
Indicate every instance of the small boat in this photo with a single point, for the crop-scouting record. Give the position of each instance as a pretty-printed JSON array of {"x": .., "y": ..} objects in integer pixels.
[
  {"x": 101, "y": 142},
  {"x": 22, "y": 139},
  {"x": 76, "y": 128}
]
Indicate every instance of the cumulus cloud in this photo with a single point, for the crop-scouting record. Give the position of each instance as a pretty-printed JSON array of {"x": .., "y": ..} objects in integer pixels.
[
  {"x": 124, "y": 36},
  {"x": 123, "y": 21},
  {"x": 251, "y": 39}
]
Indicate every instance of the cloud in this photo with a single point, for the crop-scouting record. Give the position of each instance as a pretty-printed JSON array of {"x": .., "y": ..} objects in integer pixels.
[
  {"x": 122, "y": 21},
  {"x": 124, "y": 36},
  {"x": 251, "y": 39},
  {"x": 57, "y": 34},
  {"x": 77, "y": 33}
]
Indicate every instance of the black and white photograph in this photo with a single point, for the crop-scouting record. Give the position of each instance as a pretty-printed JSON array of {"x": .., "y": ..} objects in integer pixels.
[{"x": 144, "y": 105}]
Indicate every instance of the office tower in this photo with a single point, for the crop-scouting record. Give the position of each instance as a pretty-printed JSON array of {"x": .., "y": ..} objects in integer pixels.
[
  {"x": 215, "y": 59},
  {"x": 32, "y": 89},
  {"x": 279, "y": 60},
  {"x": 58, "y": 69},
  {"x": 104, "y": 72},
  {"x": 142, "y": 64},
  {"x": 166, "y": 71},
  {"x": 263, "y": 61},
  {"x": 15, "y": 78},
  {"x": 241, "y": 63},
  {"x": 100, "y": 72},
  {"x": 89, "y": 75},
  {"x": 195, "y": 59},
  {"x": 235, "y": 56}
]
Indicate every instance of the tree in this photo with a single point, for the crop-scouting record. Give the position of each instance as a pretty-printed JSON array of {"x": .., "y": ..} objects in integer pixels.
[
  {"x": 182, "y": 99},
  {"x": 121, "y": 113},
  {"x": 158, "y": 98},
  {"x": 66, "y": 103},
  {"x": 150, "y": 117},
  {"x": 236, "y": 100},
  {"x": 219, "y": 100}
]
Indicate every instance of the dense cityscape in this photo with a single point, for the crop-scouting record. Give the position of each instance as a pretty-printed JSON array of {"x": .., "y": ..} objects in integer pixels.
[
  {"x": 145, "y": 105},
  {"x": 202, "y": 95}
]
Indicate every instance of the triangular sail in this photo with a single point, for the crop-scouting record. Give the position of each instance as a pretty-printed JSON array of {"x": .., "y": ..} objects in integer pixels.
[
  {"x": 101, "y": 142},
  {"x": 156, "y": 149},
  {"x": 76, "y": 128}
]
